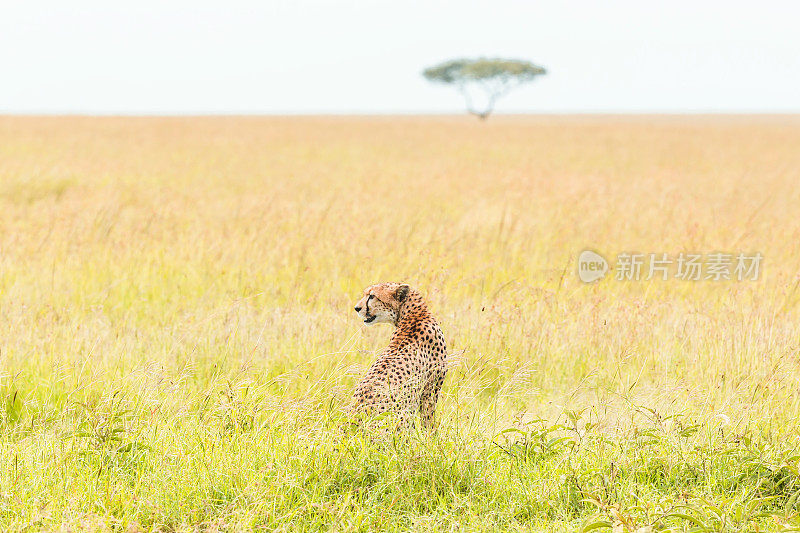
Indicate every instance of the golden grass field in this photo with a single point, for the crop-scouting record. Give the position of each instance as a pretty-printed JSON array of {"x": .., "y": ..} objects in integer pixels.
[{"x": 177, "y": 339}]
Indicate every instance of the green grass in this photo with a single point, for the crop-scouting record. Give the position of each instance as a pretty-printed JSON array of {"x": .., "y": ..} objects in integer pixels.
[{"x": 230, "y": 456}]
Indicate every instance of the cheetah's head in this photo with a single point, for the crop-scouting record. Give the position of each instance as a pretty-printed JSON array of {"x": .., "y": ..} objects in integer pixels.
[{"x": 381, "y": 302}]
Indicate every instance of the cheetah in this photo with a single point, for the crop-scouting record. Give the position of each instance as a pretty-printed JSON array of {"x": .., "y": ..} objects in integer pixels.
[{"x": 408, "y": 374}]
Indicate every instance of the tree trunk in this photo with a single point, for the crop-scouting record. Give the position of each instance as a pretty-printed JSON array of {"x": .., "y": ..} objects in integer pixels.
[{"x": 483, "y": 115}]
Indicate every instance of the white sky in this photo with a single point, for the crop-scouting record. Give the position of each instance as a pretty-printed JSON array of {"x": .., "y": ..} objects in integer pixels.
[{"x": 365, "y": 56}]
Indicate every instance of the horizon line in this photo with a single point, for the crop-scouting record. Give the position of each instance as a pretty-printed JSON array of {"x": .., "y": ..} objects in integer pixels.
[{"x": 289, "y": 114}]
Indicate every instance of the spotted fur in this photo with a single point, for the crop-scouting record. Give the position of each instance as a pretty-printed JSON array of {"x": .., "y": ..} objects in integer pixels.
[{"x": 408, "y": 374}]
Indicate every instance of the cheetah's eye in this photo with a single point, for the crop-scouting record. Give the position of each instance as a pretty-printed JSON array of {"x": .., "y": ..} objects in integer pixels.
[{"x": 370, "y": 297}]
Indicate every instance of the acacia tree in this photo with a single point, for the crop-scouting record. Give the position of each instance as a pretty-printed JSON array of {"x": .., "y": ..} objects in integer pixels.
[{"x": 493, "y": 77}]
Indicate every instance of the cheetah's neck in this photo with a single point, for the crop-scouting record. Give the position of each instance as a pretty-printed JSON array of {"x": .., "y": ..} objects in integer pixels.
[{"x": 410, "y": 317}]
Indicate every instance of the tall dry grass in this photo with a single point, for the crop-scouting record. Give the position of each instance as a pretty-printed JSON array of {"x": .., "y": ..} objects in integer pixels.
[{"x": 176, "y": 328}]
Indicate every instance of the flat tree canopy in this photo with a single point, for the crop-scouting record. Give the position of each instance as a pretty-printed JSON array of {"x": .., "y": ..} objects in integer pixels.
[{"x": 495, "y": 77}]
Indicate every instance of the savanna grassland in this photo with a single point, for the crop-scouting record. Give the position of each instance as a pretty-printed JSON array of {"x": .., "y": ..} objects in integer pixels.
[{"x": 177, "y": 339}]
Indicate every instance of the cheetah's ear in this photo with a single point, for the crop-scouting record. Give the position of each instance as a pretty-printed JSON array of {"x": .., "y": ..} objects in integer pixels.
[{"x": 401, "y": 293}]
